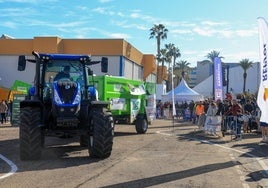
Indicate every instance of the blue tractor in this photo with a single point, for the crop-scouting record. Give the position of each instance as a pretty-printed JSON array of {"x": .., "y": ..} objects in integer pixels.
[{"x": 62, "y": 103}]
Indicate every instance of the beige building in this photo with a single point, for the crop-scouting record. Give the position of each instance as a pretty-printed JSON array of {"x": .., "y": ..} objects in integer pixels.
[{"x": 124, "y": 59}]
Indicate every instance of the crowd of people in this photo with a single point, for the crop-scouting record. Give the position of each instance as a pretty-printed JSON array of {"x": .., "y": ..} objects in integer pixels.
[{"x": 238, "y": 114}]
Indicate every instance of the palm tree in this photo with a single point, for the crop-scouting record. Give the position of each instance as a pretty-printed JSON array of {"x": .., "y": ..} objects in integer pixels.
[
  {"x": 211, "y": 56},
  {"x": 172, "y": 52},
  {"x": 159, "y": 32},
  {"x": 245, "y": 64},
  {"x": 163, "y": 57},
  {"x": 184, "y": 68}
]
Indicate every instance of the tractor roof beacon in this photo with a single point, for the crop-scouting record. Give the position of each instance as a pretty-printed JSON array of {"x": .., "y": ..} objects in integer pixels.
[{"x": 65, "y": 107}]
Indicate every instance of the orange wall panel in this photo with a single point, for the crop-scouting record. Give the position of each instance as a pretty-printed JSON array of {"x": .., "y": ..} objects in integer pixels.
[
  {"x": 4, "y": 93},
  {"x": 149, "y": 65},
  {"x": 16, "y": 46},
  {"x": 47, "y": 45},
  {"x": 93, "y": 46}
]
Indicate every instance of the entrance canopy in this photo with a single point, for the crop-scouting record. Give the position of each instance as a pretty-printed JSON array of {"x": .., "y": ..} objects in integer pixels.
[{"x": 182, "y": 93}]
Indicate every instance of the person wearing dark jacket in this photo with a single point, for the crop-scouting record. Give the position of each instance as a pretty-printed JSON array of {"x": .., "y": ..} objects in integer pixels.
[
  {"x": 235, "y": 110},
  {"x": 63, "y": 74},
  {"x": 220, "y": 106},
  {"x": 249, "y": 111}
]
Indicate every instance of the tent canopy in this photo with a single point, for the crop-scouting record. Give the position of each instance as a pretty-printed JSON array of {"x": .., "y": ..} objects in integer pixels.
[{"x": 182, "y": 93}]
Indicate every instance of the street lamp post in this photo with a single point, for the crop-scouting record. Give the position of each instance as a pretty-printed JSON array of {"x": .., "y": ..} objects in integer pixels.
[{"x": 213, "y": 82}]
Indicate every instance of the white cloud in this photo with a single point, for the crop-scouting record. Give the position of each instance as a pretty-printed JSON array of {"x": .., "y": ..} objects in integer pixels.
[
  {"x": 105, "y": 1},
  {"x": 27, "y": 1},
  {"x": 82, "y": 8},
  {"x": 119, "y": 35},
  {"x": 238, "y": 56},
  {"x": 9, "y": 24},
  {"x": 137, "y": 15},
  {"x": 16, "y": 12},
  {"x": 204, "y": 31},
  {"x": 174, "y": 24},
  {"x": 181, "y": 31},
  {"x": 120, "y": 14},
  {"x": 246, "y": 33},
  {"x": 226, "y": 33},
  {"x": 126, "y": 24},
  {"x": 104, "y": 11},
  {"x": 212, "y": 23}
]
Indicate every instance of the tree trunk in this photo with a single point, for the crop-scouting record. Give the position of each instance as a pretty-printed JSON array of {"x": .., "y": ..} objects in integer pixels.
[{"x": 244, "y": 82}]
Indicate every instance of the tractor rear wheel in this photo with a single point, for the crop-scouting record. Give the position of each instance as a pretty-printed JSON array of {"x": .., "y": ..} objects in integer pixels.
[
  {"x": 30, "y": 134},
  {"x": 101, "y": 138}
]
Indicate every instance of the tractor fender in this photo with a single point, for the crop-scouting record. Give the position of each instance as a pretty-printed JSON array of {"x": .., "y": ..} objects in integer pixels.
[
  {"x": 103, "y": 104},
  {"x": 31, "y": 103}
]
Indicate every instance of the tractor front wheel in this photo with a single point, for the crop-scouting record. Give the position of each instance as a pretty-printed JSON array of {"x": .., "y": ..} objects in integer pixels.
[
  {"x": 30, "y": 134},
  {"x": 100, "y": 141}
]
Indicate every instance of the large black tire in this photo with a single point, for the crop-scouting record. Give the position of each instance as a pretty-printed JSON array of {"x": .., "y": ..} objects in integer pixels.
[
  {"x": 141, "y": 125},
  {"x": 100, "y": 142},
  {"x": 30, "y": 134}
]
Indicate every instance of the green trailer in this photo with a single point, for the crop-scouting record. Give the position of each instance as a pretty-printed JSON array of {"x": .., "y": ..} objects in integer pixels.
[{"x": 131, "y": 101}]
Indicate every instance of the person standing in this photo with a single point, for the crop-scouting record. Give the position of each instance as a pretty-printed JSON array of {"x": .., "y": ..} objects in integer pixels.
[
  {"x": 248, "y": 111},
  {"x": 3, "y": 111},
  {"x": 200, "y": 114},
  {"x": 191, "y": 108},
  {"x": 210, "y": 119},
  {"x": 177, "y": 109},
  {"x": 235, "y": 110},
  {"x": 264, "y": 132}
]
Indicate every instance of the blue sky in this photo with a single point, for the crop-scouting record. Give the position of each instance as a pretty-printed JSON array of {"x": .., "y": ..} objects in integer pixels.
[{"x": 196, "y": 27}]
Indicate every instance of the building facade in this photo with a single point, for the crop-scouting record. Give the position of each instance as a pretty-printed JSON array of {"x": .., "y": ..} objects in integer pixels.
[
  {"x": 234, "y": 79},
  {"x": 123, "y": 58}
]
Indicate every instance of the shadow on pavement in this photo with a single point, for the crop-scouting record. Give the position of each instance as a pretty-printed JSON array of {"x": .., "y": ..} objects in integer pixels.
[{"x": 160, "y": 179}]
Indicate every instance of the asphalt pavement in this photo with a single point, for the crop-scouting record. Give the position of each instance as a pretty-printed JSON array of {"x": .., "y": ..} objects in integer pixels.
[
  {"x": 245, "y": 151},
  {"x": 249, "y": 147}
]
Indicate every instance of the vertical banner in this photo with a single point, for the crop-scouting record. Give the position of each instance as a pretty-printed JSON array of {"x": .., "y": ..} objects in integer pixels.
[
  {"x": 262, "y": 99},
  {"x": 218, "y": 91}
]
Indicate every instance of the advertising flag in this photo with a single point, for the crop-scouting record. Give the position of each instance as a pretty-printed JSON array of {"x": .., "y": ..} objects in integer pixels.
[
  {"x": 262, "y": 99},
  {"x": 218, "y": 93}
]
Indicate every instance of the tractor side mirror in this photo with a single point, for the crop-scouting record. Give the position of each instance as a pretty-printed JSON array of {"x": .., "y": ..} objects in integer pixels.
[
  {"x": 90, "y": 72},
  {"x": 21, "y": 63},
  {"x": 104, "y": 64}
]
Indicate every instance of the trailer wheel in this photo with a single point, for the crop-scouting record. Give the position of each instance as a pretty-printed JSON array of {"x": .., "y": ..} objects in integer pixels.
[
  {"x": 30, "y": 134},
  {"x": 101, "y": 138},
  {"x": 141, "y": 125}
]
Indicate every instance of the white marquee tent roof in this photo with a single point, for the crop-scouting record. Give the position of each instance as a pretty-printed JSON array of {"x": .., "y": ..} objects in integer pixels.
[{"x": 182, "y": 93}]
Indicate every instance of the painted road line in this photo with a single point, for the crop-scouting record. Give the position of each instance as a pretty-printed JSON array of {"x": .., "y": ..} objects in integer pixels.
[
  {"x": 14, "y": 168},
  {"x": 258, "y": 159}
]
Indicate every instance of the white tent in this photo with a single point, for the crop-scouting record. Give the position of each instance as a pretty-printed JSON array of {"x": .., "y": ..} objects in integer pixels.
[
  {"x": 205, "y": 87},
  {"x": 182, "y": 93}
]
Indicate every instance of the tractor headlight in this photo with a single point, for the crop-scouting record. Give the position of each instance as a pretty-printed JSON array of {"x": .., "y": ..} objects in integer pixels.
[
  {"x": 77, "y": 98},
  {"x": 32, "y": 91},
  {"x": 93, "y": 93},
  {"x": 97, "y": 95}
]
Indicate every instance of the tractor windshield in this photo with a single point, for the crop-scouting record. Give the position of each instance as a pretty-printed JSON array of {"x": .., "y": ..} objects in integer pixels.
[{"x": 59, "y": 70}]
